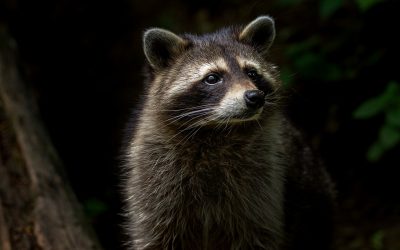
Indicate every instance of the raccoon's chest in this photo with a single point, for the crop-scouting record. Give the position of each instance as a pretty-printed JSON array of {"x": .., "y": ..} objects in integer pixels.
[{"x": 220, "y": 174}]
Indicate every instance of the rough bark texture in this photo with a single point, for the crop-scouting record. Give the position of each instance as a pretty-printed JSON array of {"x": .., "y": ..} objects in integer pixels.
[{"x": 38, "y": 209}]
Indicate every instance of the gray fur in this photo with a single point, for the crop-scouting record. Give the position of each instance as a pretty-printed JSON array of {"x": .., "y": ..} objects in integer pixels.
[{"x": 201, "y": 183}]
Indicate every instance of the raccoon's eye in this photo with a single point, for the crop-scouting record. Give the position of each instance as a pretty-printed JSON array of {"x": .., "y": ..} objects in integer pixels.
[
  {"x": 212, "y": 79},
  {"x": 253, "y": 75}
]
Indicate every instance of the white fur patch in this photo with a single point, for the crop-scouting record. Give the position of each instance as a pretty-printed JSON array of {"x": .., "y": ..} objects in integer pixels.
[
  {"x": 233, "y": 103},
  {"x": 195, "y": 74}
]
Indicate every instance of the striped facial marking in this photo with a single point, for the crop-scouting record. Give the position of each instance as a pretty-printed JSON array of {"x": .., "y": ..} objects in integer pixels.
[
  {"x": 245, "y": 63},
  {"x": 196, "y": 73}
]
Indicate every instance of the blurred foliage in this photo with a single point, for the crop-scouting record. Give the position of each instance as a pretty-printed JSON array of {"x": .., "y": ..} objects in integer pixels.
[
  {"x": 318, "y": 58},
  {"x": 388, "y": 104},
  {"x": 364, "y": 5},
  {"x": 312, "y": 57},
  {"x": 377, "y": 240},
  {"x": 328, "y": 7},
  {"x": 311, "y": 64}
]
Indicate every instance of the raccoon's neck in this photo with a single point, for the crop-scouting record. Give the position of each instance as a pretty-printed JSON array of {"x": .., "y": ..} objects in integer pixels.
[{"x": 208, "y": 138}]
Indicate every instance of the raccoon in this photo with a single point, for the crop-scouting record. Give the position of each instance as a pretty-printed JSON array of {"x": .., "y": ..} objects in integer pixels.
[{"x": 212, "y": 162}]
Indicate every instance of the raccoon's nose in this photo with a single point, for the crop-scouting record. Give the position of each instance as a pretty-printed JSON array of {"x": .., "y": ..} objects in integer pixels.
[{"x": 254, "y": 98}]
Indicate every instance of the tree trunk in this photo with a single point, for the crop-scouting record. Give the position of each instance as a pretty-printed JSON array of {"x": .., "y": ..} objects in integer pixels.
[{"x": 38, "y": 209}]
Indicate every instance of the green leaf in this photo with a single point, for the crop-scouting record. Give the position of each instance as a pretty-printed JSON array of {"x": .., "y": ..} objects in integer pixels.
[
  {"x": 380, "y": 103},
  {"x": 328, "y": 7},
  {"x": 389, "y": 136},
  {"x": 375, "y": 152},
  {"x": 392, "y": 91},
  {"x": 364, "y": 5},
  {"x": 393, "y": 116},
  {"x": 370, "y": 108}
]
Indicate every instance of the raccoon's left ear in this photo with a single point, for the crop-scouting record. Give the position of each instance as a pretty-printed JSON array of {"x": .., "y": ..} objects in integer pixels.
[
  {"x": 260, "y": 33},
  {"x": 161, "y": 47}
]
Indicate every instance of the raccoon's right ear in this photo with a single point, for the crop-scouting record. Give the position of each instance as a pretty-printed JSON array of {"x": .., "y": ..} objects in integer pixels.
[
  {"x": 161, "y": 47},
  {"x": 260, "y": 33}
]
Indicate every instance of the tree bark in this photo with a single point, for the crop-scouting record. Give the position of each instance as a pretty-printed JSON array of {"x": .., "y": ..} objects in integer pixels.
[{"x": 38, "y": 209}]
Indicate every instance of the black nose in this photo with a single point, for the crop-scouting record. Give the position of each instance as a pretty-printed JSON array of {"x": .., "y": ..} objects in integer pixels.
[{"x": 254, "y": 98}]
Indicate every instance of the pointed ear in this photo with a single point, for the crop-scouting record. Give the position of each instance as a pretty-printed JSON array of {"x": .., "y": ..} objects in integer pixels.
[
  {"x": 161, "y": 47},
  {"x": 260, "y": 33}
]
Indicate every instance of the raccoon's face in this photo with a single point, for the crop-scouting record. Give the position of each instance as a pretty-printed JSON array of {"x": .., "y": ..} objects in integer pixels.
[{"x": 220, "y": 78}]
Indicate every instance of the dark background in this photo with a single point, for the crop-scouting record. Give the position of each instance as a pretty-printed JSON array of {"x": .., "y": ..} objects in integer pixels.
[{"x": 339, "y": 58}]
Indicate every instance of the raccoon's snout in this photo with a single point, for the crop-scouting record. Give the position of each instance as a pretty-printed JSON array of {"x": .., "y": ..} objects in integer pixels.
[{"x": 254, "y": 98}]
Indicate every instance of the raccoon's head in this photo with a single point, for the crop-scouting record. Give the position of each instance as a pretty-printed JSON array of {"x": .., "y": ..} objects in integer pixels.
[{"x": 218, "y": 78}]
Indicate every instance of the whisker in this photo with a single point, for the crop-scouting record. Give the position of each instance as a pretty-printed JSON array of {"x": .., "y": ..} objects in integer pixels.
[
  {"x": 177, "y": 118},
  {"x": 189, "y": 113},
  {"x": 189, "y": 108},
  {"x": 259, "y": 125},
  {"x": 183, "y": 130}
]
